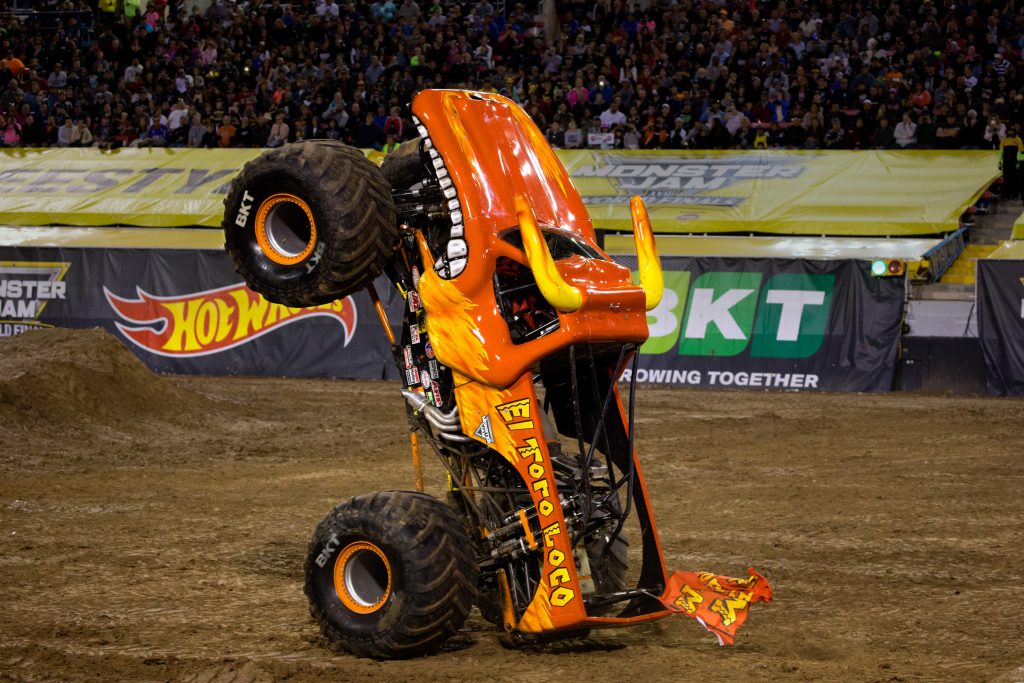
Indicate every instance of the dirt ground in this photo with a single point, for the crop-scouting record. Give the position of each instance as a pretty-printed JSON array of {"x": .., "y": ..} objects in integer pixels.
[{"x": 154, "y": 528}]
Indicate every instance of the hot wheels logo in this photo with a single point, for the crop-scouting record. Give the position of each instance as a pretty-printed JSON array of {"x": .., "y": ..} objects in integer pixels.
[{"x": 212, "y": 321}]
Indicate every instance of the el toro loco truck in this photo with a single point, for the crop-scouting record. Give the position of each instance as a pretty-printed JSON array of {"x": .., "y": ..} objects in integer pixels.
[{"x": 516, "y": 330}]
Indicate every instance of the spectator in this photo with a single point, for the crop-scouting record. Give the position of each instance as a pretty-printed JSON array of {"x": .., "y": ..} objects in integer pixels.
[
  {"x": 81, "y": 136},
  {"x": 905, "y": 133},
  {"x": 1010, "y": 148},
  {"x": 197, "y": 132},
  {"x": 11, "y": 131},
  {"x": 612, "y": 116},
  {"x": 883, "y": 137},
  {"x": 573, "y": 138},
  {"x": 279, "y": 132},
  {"x": 783, "y": 65},
  {"x": 226, "y": 132},
  {"x": 947, "y": 133},
  {"x": 367, "y": 134},
  {"x": 65, "y": 135}
]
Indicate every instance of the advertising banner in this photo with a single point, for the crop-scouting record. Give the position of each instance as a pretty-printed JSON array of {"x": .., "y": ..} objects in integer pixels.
[
  {"x": 773, "y": 324},
  {"x": 1000, "y": 298},
  {"x": 722, "y": 323},
  {"x": 846, "y": 193},
  {"x": 186, "y": 311}
]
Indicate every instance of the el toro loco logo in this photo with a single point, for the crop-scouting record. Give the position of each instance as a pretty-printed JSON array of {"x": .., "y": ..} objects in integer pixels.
[
  {"x": 214, "y": 320},
  {"x": 725, "y": 314},
  {"x": 516, "y": 416}
]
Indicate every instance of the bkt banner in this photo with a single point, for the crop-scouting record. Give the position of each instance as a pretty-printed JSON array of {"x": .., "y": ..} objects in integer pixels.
[{"x": 773, "y": 324}]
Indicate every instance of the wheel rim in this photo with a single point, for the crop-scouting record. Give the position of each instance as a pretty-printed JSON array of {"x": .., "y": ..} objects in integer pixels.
[
  {"x": 362, "y": 577},
  {"x": 285, "y": 229}
]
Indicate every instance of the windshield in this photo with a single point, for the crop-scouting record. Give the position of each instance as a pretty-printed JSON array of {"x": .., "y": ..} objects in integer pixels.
[{"x": 562, "y": 245}]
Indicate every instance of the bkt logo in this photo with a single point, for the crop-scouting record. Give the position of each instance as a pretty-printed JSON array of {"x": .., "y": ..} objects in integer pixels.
[{"x": 725, "y": 313}]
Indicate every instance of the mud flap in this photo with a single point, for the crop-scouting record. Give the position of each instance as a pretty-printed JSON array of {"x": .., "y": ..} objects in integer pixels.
[{"x": 719, "y": 603}]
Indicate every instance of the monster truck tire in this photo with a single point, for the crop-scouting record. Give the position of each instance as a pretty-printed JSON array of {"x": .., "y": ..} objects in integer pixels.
[
  {"x": 308, "y": 223},
  {"x": 403, "y": 167},
  {"x": 390, "y": 575}
]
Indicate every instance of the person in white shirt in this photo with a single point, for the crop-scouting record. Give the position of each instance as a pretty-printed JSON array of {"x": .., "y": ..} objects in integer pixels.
[
  {"x": 178, "y": 116},
  {"x": 905, "y": 134},
  {"x": 611, "y": 116},
  {"x": 329, "y": 9},
  {"x": 278, "y": 132}
]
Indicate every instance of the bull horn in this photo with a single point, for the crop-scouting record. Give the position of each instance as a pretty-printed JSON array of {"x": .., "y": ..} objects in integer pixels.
[
  {"x": 559, "y": 293},
  {"x": 651, "y": 280}
]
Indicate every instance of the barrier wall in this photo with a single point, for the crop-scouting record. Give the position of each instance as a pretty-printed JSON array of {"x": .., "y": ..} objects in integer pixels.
[
  {"x": 185, "y": 311},
  {"x": 1000, "y": 300},
  {"x": 848, "y": 193},
  {"x": 723, "y": 323}
]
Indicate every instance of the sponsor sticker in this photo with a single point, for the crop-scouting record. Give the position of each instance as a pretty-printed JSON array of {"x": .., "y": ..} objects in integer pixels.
[
  {"x": 415, "y": 277},
  {"x": 414, "y": 334},
  {"x": 425, "y": 379},
  {"x": 414, "y": 301},
  {"x": 435, "y": 371},
  {"x": 484, "y": 430},
  {"x": 429, "y": 350},
  {"x": 411, "y": 377},
  {"x": 407, "y": 354}
]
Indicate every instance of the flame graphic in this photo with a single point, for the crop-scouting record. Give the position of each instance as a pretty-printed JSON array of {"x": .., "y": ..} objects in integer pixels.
[{"x": 215, "y": 320}]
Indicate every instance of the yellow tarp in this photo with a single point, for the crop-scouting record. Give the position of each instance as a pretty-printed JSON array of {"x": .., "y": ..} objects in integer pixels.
[
  {"x": 847, "y": 193},
  {"x": 113, "y": 238},
  {"x": 1018, "y": 228},
  {"x": 823, "y": 248},
  {"x": 795, "y": 193},
  {"x": 1013, "y": 250}
]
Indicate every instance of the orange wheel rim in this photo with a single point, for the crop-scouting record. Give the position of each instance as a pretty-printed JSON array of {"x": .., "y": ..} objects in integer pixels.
[
  {"x": 362, "y": 577},
  {"x": 285, "y": 229}
]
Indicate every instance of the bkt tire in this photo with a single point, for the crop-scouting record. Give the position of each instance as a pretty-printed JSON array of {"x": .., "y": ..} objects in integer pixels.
[
  {"x": 390, "y": 575},
  {"x": 308, "y": 223}
]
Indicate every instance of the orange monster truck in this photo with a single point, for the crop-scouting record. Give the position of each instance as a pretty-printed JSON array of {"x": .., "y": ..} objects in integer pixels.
[{"x": 517, "y": 327}]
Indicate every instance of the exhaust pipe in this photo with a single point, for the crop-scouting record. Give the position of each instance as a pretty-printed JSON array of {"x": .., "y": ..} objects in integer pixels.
[{"x": 448, "y": 425}]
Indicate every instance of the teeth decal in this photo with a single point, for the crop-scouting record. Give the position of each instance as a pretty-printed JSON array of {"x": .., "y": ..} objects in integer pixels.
[{"x": 454, "y": 260}]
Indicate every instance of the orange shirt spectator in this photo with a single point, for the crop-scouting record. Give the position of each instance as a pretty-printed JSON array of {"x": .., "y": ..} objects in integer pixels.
[{"x": 226, "y": 132}]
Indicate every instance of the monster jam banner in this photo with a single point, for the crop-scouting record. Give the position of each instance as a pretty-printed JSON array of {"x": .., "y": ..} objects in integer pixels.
[
  {"x": 727, "y": 323},
  {"x": 185, "y": 311},
  {"x": 778, "y": 192},
  {"x": 1000, "y": 298}
]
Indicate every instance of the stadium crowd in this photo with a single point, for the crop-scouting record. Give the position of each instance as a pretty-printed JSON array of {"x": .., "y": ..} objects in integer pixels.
[{"x": 663, "y": 74}]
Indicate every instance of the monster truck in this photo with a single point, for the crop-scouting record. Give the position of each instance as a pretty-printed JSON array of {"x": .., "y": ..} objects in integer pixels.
[{"x": 516, "y": 329}]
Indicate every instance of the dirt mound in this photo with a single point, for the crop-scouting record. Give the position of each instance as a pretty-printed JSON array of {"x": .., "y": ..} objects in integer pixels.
[{"x": 61, "y": 377}]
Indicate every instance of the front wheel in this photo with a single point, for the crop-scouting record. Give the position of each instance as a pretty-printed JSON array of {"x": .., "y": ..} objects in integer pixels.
[
  {"x": 390, "y": 575},
  {"x": 309, "y": 223}
]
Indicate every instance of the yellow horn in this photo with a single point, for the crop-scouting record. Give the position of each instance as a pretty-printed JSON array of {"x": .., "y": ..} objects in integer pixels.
[
  {"x": 557, "y": 291},
  {"x": 646, "y": 254}
]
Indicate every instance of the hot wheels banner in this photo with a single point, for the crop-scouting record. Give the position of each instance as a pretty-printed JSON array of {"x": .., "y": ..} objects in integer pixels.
[
  {"x": 792, "y": 324},
  {"x": 1000, "y": 296},
  {"x": 185, "y": 311}
]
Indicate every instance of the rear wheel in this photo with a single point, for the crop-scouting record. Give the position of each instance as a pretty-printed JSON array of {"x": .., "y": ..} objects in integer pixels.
[
  {"x": 390, "y": 575},
  {"x": 308, "y": 223},
  {"x": 404, "y": 167}
]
